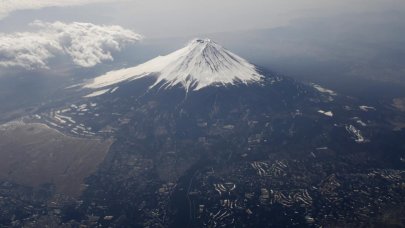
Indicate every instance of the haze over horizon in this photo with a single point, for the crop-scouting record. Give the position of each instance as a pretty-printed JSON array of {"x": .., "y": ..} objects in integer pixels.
[{"x": 360, "y": 39}]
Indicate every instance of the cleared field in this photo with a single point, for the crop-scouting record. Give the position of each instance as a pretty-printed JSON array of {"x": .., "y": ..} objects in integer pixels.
[{"x": 34, "y": 154}]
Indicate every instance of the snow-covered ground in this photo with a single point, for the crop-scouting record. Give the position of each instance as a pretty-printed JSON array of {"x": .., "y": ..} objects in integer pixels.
[
  {"x": 355, "y": 133},
  {"x": 326, "y": 113},
  {"x": 324, "y": 90},
  {"x": 200, "y": 64},
  {"x": 97, "y": 93},
  {"x": 367, "y": 108}
]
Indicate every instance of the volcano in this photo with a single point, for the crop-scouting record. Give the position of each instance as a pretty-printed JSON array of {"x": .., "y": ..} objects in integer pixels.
[{"x": 203, "y": 138}]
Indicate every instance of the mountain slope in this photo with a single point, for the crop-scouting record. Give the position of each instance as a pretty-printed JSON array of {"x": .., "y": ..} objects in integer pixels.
[{"x": 202, "y": 139}]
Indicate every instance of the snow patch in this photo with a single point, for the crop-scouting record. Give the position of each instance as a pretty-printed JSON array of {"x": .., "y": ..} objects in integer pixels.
[
  {"x": 367, "y": 108},
  {"x": 359, "y": 121},
  {"x": 97, "y": 93},
  {"x": 115, "y": 89},
  {"x": 328, "y": 113},
  {"x": 324, "y": 90},
  {"x": 355, "y": 133}
]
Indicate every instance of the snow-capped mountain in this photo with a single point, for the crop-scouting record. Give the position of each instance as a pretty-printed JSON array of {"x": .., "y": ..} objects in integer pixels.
[
  {"x": 200, "y": 64},
  {"x": 242, "y": 133}
]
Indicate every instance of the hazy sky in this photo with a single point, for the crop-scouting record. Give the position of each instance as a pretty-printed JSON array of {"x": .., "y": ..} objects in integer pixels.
[
  {"x": 363, "y": 38},
  {"x": 162, "y": 18}
]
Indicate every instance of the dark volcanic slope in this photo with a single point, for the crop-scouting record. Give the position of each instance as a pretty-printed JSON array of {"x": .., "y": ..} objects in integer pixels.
[
  {"x": 248, "y": 151},
  {"x": 260, "y": 154}
]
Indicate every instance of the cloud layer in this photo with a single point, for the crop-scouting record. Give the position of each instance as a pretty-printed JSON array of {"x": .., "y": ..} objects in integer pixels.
[
  {"x": 9, "y": 6},
  {"x": 86, "y": 44}
]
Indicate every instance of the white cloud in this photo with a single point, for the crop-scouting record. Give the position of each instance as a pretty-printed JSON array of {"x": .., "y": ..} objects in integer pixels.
[
  {"x": 87, "y": 44},
  {"x": 9, "y": 6}
]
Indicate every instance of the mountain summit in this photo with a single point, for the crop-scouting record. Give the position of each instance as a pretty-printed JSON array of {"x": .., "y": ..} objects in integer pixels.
[{"x": 200, "y": 64}]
